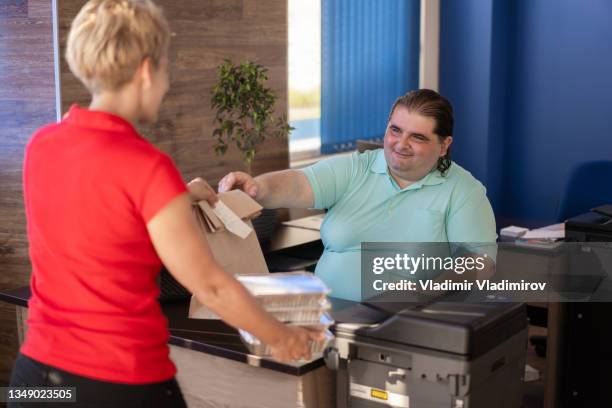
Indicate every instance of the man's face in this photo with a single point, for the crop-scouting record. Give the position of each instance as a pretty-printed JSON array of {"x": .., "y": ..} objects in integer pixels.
[{"x": 411, "y": 147}]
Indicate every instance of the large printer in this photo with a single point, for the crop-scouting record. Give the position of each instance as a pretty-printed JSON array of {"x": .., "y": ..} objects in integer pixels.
[
  {"x": 437, "y": 354},
  {"x": 593, "y": 226}
]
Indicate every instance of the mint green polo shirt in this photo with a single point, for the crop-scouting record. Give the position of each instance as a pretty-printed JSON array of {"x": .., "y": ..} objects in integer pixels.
[{"x": 365, "y": 204}]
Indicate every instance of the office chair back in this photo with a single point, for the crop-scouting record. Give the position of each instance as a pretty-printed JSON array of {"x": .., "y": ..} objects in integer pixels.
[
  {"x": 364, "y": 145},
  {"x": 589, "y": 186}
]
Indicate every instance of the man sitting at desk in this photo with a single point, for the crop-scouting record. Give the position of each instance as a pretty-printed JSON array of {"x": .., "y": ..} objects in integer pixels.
[{"x": 410, "y": 191}]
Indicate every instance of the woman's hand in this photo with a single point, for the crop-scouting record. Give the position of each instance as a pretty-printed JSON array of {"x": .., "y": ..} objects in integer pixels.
[
  {"x": 294, "y": 343},
  {"x": 200, "y": 190}
]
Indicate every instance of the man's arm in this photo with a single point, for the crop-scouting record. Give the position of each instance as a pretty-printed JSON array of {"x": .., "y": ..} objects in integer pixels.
[{"x": 279, "y": 189}]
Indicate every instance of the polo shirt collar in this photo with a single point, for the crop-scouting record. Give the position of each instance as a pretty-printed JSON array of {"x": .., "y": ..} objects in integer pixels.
[
  {"x": 98, "y": 120},
  {"x": 380, "y": 164},
  {"x": 431, "y": 179}
]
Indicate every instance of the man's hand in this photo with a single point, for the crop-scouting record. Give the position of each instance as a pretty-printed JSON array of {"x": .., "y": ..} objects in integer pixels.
[
  {"x": 240, "y": 180},
  {"x": 200, "y": 190}
]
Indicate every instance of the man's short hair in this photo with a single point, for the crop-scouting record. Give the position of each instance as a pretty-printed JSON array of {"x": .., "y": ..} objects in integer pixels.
[{"x": 109, "y": 39}]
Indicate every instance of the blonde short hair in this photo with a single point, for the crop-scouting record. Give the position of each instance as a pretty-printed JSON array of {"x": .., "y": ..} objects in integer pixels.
[{"x": 109, "y": 39}]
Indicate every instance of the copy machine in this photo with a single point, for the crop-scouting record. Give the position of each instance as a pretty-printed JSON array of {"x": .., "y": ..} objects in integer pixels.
[{"x": 440, "y": 354}]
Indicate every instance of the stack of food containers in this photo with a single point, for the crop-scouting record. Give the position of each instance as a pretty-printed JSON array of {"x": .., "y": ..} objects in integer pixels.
[{"x": 295, "y": 298}]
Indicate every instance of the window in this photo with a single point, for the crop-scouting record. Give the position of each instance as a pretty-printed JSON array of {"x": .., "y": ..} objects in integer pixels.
[
  {"x": 304, "y": 77},
  {"x": 348, "y": 62}
]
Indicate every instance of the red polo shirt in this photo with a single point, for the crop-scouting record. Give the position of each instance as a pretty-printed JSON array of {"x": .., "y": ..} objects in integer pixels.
[{"x": 91, "y": 184}]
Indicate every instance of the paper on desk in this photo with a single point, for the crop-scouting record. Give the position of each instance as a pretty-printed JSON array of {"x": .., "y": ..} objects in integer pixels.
[
  {"x": 555, "y": 231},
  {"x": 312, "y": 222},
  {"x": 554, "y": 227},
  {"x": 232, "y": 222},
  {"x": 531, "y": 374}
]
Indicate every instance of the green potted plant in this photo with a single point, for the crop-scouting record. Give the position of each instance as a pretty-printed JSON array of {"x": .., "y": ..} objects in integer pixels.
[{"x": 243, "y": 107}]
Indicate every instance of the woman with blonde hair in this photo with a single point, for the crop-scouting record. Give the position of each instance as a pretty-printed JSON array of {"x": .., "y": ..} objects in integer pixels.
[{"x": 104, "y": 209}]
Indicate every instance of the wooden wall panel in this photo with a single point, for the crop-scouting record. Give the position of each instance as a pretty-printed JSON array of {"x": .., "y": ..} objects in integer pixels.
[
  {"x": 206, "y": 32},
  {"x": 27, "y": 101}
]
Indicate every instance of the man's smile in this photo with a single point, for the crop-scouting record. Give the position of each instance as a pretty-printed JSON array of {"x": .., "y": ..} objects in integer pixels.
[{"x": 403, "y": 154}]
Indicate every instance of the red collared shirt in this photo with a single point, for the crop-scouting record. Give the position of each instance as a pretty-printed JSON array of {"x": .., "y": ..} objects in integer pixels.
[{"x": 91, "y": 184}]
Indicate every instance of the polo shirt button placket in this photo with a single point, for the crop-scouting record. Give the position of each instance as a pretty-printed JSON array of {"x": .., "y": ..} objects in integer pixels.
[{"x": 393, "y": 203}]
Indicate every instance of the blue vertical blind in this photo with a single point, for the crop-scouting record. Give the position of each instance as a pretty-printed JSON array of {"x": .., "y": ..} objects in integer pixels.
[{"x": 370, "y": 56}]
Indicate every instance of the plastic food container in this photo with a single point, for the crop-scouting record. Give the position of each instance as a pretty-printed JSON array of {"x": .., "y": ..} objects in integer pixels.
[
  {"x": 258, "y": 348},
  {"x": 303, "y": 316},
  {"x": 323, "y": 324},
  {"x": 286, "y": 289},
  {"x": 295, "y": 298}
]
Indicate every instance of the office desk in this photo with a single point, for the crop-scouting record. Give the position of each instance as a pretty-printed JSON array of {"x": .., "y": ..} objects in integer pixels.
[
  {"x": 286, "y": 238},
  {"x": 293, "y": 249},
  {"x": 524, "y": 263},
  {"x": 215, "y": 369}
]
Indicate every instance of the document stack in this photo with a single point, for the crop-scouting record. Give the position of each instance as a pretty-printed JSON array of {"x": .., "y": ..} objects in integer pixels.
[{"x": 295, "y": 298}]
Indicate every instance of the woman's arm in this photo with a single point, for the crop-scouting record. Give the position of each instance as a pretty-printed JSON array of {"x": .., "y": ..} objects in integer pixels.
[{"x": 184, "y": 251}]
